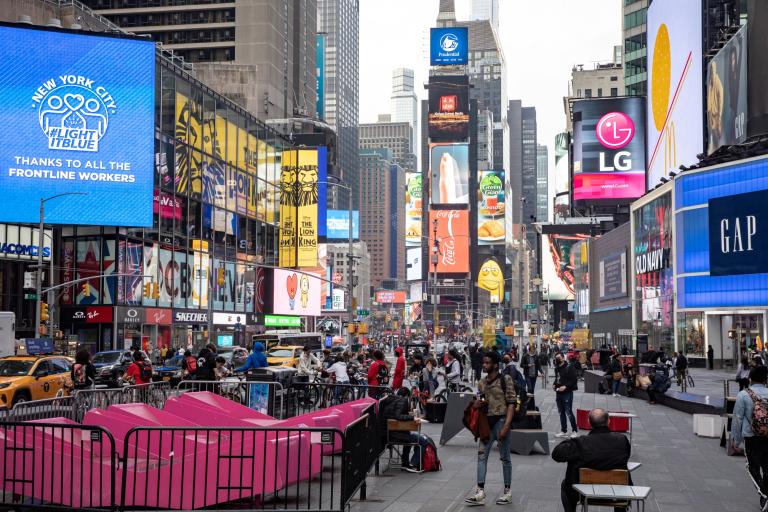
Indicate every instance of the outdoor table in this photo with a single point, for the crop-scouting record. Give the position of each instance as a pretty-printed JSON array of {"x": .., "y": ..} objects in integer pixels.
[
  {"x": 631, "y": 466},
  {"x": 611, "y": 492},
  {"x": 627, "y": 415}
]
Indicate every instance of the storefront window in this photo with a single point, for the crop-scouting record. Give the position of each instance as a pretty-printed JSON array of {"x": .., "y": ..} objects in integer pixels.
[{"x": 690, "y": 334}]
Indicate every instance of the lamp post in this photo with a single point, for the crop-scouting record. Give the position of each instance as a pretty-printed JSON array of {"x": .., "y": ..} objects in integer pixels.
[
  {"x": 337, "y": 182},
  {"x": 39, "y": 269}
]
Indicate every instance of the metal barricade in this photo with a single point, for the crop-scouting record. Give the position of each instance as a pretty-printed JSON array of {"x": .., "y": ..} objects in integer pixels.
[
  {"x": 53, "y": 466},
  {"x": 305, "y": 397},
  {"x": 362, "y": 447},
  {"x": 231, "y": 468},
  {"x": 87, "y": 399},
  {"x": 154, "y": 394},
  {"x": 60, "y": 407},
  {"x": 265, "y": 397}
]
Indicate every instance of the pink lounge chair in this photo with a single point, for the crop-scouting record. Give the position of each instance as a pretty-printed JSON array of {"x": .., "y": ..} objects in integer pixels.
[{"x": 208, "y": 400}]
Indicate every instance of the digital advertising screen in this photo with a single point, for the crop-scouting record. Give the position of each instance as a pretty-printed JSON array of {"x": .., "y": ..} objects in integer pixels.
[
  {"x": 79, "y": 110},
  {"x": 448, "y": 46},
  {"x": 727, "y": 94},
  {"x": 490, "y": 208},
  {"x": 414, "y": 197},
  {"x": 295, "y": 293},
  {"x": 608, "y": 149},
  {"x": 413, "y": 264},
  {"x": 300, "y": 174},
  {"x": 448, "y": 116},
  {"x": 449, "y": 169},
  {"x": 337, "y": 222},
  {"x": 390, "y": 297},
  {"x": 453, "y": 238},
  {"x": 491, "y": 278},
  {"x": 675, "y": 79}
]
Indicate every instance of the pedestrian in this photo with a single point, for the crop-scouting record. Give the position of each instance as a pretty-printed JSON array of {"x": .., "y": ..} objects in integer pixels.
[
  {"x": 711, "y": 357},
  {"x": 221, "y": 371},
  {"x": 83, "y": 371},
  {"x": 497, "y": 393},
  {"x": 681, "y": 366},
  {"x": 453, "y": 370},
  {"x": 429, "y": 377},
  {"x": 256, "y": 359},
  {"x": 339, "y": 369},
  {"x": 614, "y": 374},
  {"x": 742, "y": 374},
  {"x": 565, "y": 384},
  {"x": 531, "y": 369},
  {"x": 378, "y": 373},
  {"x": 399, "y": 375},
  {"x": 206, "y": 363},
  {"x": 139, "y": 371},
  {"x": 544, "y": 364},
  {"x": 189, "y": 365},
  {"x": 476, "y": 360},
  {"x": 601, "y": 450},
  {"x": 306, "y": 361},
  {"x": 750, "y": 427}
]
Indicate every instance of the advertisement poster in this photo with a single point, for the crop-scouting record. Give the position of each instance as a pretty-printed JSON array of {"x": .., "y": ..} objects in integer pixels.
[
  {"x": 414, "y": 194},
  {"x": 613, "y": 276},
  {"x": 337, "y": 224},
  {"x": 448, "y": 118},
  {"x": 608, "y": 149},
  {"x": 413, "y": 270},
  {"x": 299, "y": 178},
  {"x": 453, "y": 240},
  {"x": 448, "y": 46},
  {"x": 295, "y": 294},
  {"x": 558, "y": 265},
  {"x": 288, "y": 213},
  {"x": 675, "y": 103},
  {"x": 449, "y": 169},
  {"x": 80, "y": 113},
  {"x": 390, "y": 297},
  {"x": 491, "y": 278},
  {"x": 490, "y": 208},
  {"x": 727, "y": 94}
]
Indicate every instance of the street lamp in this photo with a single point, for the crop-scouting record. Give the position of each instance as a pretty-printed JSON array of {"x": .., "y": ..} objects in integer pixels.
[
  {"x": 338, "y": 182},
  {"x": 39, "y": 269}
]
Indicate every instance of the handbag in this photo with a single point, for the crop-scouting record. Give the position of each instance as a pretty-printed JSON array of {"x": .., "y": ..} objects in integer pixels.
[
  {"x": 476, "y": 420},
  {"x": 617, "y": 375}
]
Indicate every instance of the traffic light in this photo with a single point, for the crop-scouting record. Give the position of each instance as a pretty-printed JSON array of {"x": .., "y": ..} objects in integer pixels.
[
  {"x": 155, "y": 291},
  {"x": 147, "y": 290},
  {"x": 221, "y": 279},
  {"x": 87, "y": 289},
  {"x": 44, "y": 312}
]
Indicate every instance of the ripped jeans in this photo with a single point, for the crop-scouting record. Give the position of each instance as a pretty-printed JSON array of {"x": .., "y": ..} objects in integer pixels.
[{"x": 485, "y": 450}]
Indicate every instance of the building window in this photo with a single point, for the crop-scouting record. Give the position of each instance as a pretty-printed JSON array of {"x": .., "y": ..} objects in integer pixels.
[
  {"x": 614, "y": 79},
  {"x": 578, "y": 93},
  {"x": 587, "y": 93},
  {"x": 599, "y": 92},
  {"x": 614, "y": 91}
]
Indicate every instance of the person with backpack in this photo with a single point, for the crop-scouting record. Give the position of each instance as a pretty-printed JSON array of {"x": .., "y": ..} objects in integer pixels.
[
  {"x": 206, "y": 363},
  {"x": 397, "y": 407},
  {"x": 378, "y": 372},
  {"x": 139, "y": 371},
  {"x": 189, "y": 365},
  {"x": 399, "y": 376},
  {"x": 453, "y": 370},
  {"x": 521, "y": 385},
  {"x": 497, "y": 397},
  {"x": 83, "y": 371},
  {"x": 750, "y": 428}
]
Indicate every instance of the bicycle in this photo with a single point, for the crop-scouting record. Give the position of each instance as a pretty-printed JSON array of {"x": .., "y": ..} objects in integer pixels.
[{"x": 684, "y": 380}]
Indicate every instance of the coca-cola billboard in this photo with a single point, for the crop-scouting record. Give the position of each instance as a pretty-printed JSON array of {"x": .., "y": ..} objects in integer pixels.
[{"x": 453, "y": 241}]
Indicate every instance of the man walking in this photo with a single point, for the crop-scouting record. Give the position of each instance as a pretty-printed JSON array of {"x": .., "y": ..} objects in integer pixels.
[
  {"x": 565, "y": 385},
  {"x": 601, "y": 450},
  {"x": 750, "y": 426},
  {"x": 711, "y": 357},
  {"x": 497, "y": 392},
  {"x": 531, "y": 369}
]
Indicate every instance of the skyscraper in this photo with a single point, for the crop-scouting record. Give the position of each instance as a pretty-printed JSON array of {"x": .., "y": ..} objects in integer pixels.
[
  {"x": 396, "y": 137},
  {"x": 542, "y": 183},
  {"x": 403, "y": 102},
  {"x": 486, "y": 10},
  {"x": 635, "y": 43},
  {"x": 259, "y": 53},
  {"x": 529, "y": 172},
  {"x": 339, "y": 21}
]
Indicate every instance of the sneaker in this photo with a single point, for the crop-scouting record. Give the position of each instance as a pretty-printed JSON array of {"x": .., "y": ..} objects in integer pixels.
[
  {"x": 409, "y": 468},
  {"x": 562, "y": 435},
  {"x": 574, "y": 434},
  {"x": 477, "y": 499},
  {"x": 615, "y": 394},
  {"x": 506, "y": 498}
]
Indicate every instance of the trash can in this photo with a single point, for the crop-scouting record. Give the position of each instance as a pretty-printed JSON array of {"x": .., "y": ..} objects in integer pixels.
[
  {"x": 269, "y": 399},
  {"x": 435, "y": 411}
]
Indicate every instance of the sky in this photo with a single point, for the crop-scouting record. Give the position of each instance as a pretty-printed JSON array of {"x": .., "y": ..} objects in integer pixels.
[{"x": 541, "y": 41}]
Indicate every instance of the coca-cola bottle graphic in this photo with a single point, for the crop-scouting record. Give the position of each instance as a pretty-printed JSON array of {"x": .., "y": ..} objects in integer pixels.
[{"x": 449, "y": 244}]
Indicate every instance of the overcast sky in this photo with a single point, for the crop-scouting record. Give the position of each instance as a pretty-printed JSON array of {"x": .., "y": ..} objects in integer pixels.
[{"x": 541, "y": 41}]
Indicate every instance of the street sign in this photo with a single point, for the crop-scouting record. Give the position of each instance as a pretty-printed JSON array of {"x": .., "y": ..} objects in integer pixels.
[
  {"x": 530, "y": 306},
  {"x": 30, "y": 296}
]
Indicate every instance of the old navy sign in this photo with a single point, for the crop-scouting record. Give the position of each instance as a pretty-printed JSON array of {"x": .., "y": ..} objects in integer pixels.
[{"x": 738, "y": 234}]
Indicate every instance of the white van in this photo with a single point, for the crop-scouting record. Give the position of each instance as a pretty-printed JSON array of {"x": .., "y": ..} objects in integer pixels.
[{"x": 7, "y": 333}]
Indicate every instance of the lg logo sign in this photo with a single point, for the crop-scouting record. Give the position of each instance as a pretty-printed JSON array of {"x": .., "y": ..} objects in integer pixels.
[{"x": 614, "y": 131}]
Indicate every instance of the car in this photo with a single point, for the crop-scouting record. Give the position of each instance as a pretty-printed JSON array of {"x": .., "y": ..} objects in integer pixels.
[
  {"x": 235, "y": 356},
  {"x": 25, "y": 378},
  {"x": 284, "y": 356},
  {"x": 170, "y": 371},
  {"x": 111, "y": 365}
]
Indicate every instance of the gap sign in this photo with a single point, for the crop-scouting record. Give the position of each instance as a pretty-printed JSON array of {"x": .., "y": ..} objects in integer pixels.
[{"x": 738, "y": 234}]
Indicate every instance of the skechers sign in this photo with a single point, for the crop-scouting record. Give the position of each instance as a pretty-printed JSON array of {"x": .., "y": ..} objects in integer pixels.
[
  {"x": 738, "y": 234},
  {"x": 79, "y": 114},
  {"x": 449, "y": 46}
]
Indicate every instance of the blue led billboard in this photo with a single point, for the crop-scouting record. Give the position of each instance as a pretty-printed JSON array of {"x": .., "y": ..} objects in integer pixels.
[
  {"x": 338, "y": 224},
  {"x": 448, "y": 46},
  {"x": 79, "y": 115}
]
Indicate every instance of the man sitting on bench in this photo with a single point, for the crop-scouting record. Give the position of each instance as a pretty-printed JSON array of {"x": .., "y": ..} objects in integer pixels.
[{"x": 600, "y": 450}]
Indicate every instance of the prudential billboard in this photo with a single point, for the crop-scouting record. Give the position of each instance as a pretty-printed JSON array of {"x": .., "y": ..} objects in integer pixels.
[
  {"x": 79, "y": 117},
  {"x": 448, "y": 46}
]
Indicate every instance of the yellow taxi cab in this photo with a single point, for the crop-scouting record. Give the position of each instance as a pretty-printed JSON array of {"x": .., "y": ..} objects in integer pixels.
[
  {"x": 25, "y": 378},
  {"x": 284, "y": 356}
]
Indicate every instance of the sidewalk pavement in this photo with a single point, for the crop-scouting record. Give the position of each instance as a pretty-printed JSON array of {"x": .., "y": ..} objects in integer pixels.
[{"x": 687, "y": 473}]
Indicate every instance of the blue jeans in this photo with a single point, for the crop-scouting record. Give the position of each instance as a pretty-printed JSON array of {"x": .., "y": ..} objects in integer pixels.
[
  {"x": 417, "y": 454},
  {"x": 564, "y": 403},
  {"x": 531, "y": 381},
  {"x": 506, "y": 459},
  {"x": 616, "y": 384}
]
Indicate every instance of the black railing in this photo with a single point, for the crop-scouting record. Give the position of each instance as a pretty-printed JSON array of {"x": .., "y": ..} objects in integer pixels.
[
  {"x": 305, "y": 397},
  {"x": 362, "y": 447},
  {"x": 41, "y": 410},
  {"x": 56, "y": 466}
]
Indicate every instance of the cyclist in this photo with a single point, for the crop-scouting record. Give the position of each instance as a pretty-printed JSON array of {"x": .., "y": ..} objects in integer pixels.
[
  {"x": 83, "y": 371},
  {"x": 681, "y": 367},
  {"x": 306, "y": 361}
]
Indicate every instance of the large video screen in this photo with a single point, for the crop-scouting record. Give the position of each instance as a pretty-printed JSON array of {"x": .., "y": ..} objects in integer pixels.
[
  {"x": 675, "y": 120},
  {"x": 449, "y": 46},
  {"x": 296, "y": 293},
  {"x": 79, "y": 115},
  {"x": 727, "y": 94},
  {"x": 453, "y": 238},
  {"x": 449, "y": 166},
  {"x": 448, "y": 108},
  {"x": 608, "y": 149},
  {"x": 491, "y": 206}
]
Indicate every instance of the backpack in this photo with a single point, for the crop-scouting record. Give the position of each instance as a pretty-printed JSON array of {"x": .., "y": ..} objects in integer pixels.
[
  {"x": 78, "y": 374},
  {"x": 191, "y": 364},
  {"x": 382, "y": 374},
  {"x": 759, "y": 414},
  {"x": 429, "y": 459},
  {"x": 145, "y": 371}
]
